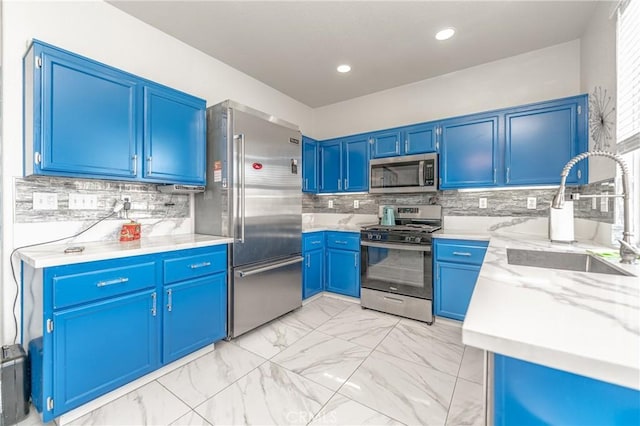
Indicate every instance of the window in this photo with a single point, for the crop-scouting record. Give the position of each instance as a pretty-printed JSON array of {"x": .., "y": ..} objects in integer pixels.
[{"x": 628, "y": 111}]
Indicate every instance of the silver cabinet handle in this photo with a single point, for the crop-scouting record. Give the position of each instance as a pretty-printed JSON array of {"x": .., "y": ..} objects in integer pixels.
[
  {"x": 397, "y": 147},
  {"x": 135, "y": 164},
  {"x": 339, "y": 184},
  {"x": 340, "y": 242},
  {"x": 270, "y": 267},
  {"x": 494, "y": 175},
  {"x": 306, "y": 183},
  {"x": 461, "y": 253},
  {"x": 199, "y": 265},
  {"x": 579, "y": 173},
  {"x": 112, "y": 282},
  {"x": 153, "y": 303},
  {"x": 355, "y": 260},
  {"x": 508, "y": 174},
  {"x": 346, "y": 184},
  {"x": 316, "y": 242},
  {"x": 393, "y": 288},
  {"x": 149, "y": 165},
  {"x": 308, "y": 260},
  {"x": 169, "y": 300},
  {"x": 406, "y": 145}
]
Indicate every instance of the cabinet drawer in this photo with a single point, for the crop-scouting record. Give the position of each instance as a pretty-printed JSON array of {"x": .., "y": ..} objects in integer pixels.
[
  {"x": 101, "y": 283},
  {"x": 343, "y": 240},
  {"x": 195, "y": 265},
  {"x": 471, "y": 253},
  {"x": 312, "y": 241}
]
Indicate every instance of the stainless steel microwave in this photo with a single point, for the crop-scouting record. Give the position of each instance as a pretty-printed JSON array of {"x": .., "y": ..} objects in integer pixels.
[{"x": 409, "y": 173}]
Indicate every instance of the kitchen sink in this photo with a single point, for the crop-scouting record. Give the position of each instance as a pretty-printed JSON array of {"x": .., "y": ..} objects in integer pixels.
[{"x": 581, "y": 262}]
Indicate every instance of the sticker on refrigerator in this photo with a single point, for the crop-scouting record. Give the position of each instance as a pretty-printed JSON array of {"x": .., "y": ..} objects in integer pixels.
[{"x": 217, "y": 171}]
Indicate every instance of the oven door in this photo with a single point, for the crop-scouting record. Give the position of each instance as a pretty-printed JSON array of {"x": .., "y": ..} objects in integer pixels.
[{"x": 397, "y": 268}]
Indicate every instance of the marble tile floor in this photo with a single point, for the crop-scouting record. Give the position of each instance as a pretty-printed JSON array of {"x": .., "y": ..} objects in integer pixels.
[{"x": 327, "y": 363}]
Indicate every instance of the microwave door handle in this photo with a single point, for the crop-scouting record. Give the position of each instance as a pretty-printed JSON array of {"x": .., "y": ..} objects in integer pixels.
[{"x": 421, "y": 173}]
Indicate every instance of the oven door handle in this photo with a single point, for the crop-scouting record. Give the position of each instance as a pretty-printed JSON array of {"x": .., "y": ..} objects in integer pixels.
[
  {"x": 421, "y": 173},
  {"x": 408, "y": 247}
]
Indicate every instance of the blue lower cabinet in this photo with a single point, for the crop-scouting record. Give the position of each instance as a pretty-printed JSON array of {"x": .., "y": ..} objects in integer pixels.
[
  {"x": 194, "y": 315},
  {"x": 92, "y": 327},
  {"x": 312, "y": 274},
  {"x": 456, "y": 268},
  {"x": 102, "y": 346},
  {"x": 454, "y": 286},
  {"x": 343, "y": 272},
  {"x": 532, "y": 394}
]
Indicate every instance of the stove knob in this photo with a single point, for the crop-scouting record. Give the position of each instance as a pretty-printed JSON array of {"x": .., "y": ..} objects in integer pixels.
[
  {"x": 418, "y": 239},
  {"x": 370, "y": 236},
  {"x": 379, "y": 237}
]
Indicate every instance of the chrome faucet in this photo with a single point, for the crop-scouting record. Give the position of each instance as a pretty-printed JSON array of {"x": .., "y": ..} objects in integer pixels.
[{"x": 628, "y": 253}]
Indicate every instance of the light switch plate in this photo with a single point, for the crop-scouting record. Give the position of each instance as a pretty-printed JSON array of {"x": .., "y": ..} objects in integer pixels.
[
  {"x": 330, "y": 204},
  {"x": 604, "y": 204},
  {"x": 45, "y": 201},
  {"x": 531, "y": 203},
  {"x": 594, "y": 204},
  {"x": 356, "y": 204},
  {"x": 482, "y": 203}
]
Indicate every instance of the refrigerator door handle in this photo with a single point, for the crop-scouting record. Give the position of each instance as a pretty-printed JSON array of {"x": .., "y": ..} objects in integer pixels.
[
  {"x": 266, "y": 268},
  {"x": 241, "y": 183}
]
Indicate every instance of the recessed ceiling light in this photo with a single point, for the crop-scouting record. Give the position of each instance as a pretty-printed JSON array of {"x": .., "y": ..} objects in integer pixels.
[
  {"x": 343, "y": 68},
  {"x": 445, "y": 34}
]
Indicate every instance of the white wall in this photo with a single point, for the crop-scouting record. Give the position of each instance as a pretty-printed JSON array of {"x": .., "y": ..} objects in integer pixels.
[
  {"x": 549, "y": 73},
  {"x": 598, "y": 68},
  {"x": 102, "y": 32}
]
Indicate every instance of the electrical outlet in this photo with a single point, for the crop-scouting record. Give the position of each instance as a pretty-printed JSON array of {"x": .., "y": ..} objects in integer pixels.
[
  {"x": 531, "y": 203},
  {"x": 356, "y": 204},
  {"x": 482, "y": 203},
  {"x": 124, "y": 197},
  {"x": 594, "y": 204},
  {"x": 330, "y": 204},
  {"x": 45, "y": 201},
  {"x": 83, "y": 201},
  {"x": 604, "y": 203}
]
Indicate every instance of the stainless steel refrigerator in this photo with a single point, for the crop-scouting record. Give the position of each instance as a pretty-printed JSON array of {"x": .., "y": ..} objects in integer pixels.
[{"x": 253, "y": 194}]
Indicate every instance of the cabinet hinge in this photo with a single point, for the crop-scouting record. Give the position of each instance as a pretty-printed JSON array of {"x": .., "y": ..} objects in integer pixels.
[
  {"x": 579, "y": 109},
  {"x": 38, "y": 60},
  {"x": 37, "y": 158},
  {"x": 49, "y": 403},
  {"x": 49, "y": 326}
]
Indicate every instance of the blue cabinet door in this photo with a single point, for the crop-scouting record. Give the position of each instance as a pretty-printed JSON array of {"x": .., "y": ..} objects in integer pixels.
[
  {"x": 420, "y": 139},
  {"x": 468, "y": 152},
  {"x": 356, "y": 164},
  {"x": 343, "y": 272},
  {"x": 101, "y": 346},
  {"x": 542, "y": 138},
  {"x": 88, "y": 122},
  {"x": 386, "y": 143},
  {"x": 174, "y": 136},
  {"x": 309, "y": 165},
  {"x": 330, "y": 166},
  {"x": 312, "y": 274},
  {"x": 454, "y": 286},
  {"x": 195, "y": 315}
]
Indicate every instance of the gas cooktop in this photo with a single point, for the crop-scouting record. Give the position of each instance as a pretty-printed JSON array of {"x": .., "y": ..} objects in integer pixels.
[{"x": 414, "y": 225}]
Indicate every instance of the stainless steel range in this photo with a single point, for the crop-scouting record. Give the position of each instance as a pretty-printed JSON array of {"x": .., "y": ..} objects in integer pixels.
[{"x": 397, "y": 265}]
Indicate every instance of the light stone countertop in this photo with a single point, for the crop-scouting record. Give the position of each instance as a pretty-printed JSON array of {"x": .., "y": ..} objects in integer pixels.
[
  {"x": 584, "y": 323},
  {"x": 53, "y": 255}
]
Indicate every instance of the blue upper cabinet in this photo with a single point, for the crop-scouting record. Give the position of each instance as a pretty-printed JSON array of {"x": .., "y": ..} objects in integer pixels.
[
  {"x": 174, "y": 136},
  {"x": 330, "y": 166},
  {"x": 309, "y": 165},
  {"x": 409, "y": 140},
  {"x": 541, "y": 138},
  {"x": 420, "y": 139},
  {"x": 344, "y": 164},
  {"x": 86, "y": 119},
  {"x": 81, "y": 119},
  {"x": 469, "y": 151},
  {"x": 386, "y": 143},
  {"x": 356, "y": 164}
]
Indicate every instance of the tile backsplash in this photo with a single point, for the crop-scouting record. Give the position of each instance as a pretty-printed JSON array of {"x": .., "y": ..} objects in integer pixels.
[
  {"x": 147, "y": 201},
  {"x": 512, "y": 203}
]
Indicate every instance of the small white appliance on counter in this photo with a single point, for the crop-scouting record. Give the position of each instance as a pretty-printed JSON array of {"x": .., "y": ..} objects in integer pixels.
[{"x": 561, "y": 224}]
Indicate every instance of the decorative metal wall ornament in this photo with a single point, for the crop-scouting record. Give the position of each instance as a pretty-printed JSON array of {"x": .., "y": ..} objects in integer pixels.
[{"x": 601, "y": 119}]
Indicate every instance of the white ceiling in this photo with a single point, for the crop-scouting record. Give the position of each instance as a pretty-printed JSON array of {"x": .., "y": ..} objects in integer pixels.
[{"x": 295, "y": 46}]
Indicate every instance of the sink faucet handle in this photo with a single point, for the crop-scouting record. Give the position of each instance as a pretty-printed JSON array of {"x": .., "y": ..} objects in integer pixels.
[{"x": 629, "y": 247}]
